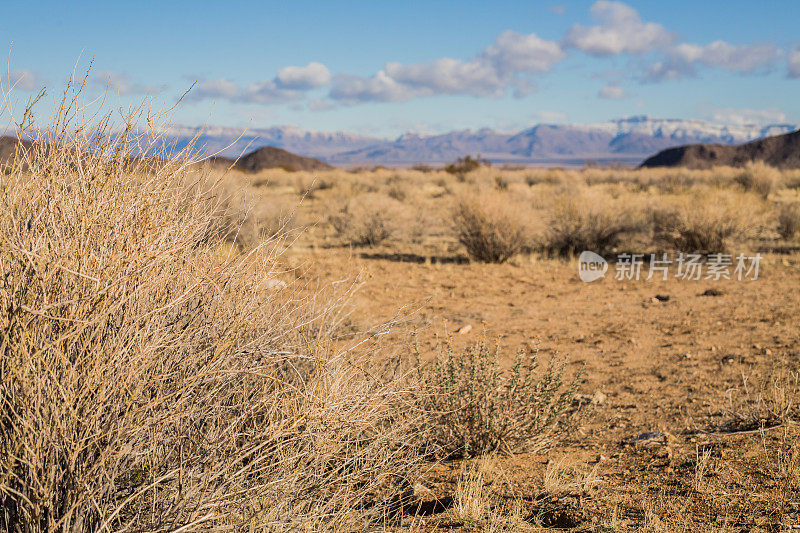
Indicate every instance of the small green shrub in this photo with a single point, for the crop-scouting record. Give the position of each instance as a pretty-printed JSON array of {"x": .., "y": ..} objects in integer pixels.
[{"x": 472, "y": 407}]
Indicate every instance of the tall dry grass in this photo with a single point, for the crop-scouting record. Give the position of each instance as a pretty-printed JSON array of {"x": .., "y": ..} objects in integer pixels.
[
  {"x": 491, "y": 226},
  {"x": 708, "y": 221},
  {"x": 590, "y": 220},
  {"x": 155, "y": 379}
]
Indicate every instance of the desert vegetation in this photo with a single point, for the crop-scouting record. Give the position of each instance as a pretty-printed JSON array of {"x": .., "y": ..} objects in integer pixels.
[
  {"x": 187, "y": 348},
  {"x": 492, "y": 247},
  {"x": 163, "y": 370},
  {"x": 494, "y": 215}
]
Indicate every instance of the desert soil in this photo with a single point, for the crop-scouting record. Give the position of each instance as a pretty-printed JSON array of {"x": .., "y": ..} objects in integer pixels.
[{"x": 651, "y": 366}]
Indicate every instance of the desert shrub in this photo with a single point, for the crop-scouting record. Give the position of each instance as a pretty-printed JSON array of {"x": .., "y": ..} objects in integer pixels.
[
  {"x": 707, "y": 222},
  {"x": 368, "y": 219},
  {"x": 310, "y": 185},
  {"x": 758, "y": 177},
  {"x": 491, "y": 227},
  {"x": 789, "y": 220},
  {"x": 675, "y": 182},
  {"x": 771, "y": 401},
  {"x": 275, "y": 218},
  {"x": 397, "y": 191},
  {"x": 581, "y": 222},
  {"x": 465, "y": 165},
  {"x": 473, "y": 407},
  {"x": 153, "y": 380}
]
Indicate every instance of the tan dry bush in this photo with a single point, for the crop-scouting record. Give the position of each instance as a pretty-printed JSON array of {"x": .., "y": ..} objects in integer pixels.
[
  {"x": 707, "y": 221},
  {"x": 309, "y": 184},
  {"x": 590, "y": 220},
  {"x": 759, "y": 177},
  {"x": 789, "y": 220},
  {"x": 154, "y": 380},
  {"x": 491, "y": 226},
  {"x": 763, "y": 403},
  {"x": 369, "y": 219}
]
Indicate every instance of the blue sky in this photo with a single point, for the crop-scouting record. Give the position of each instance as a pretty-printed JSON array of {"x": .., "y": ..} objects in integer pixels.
[{"x": 382, "y": 68}]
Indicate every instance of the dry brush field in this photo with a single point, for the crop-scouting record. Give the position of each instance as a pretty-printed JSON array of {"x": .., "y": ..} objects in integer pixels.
[{"x": 403, "y": 350}]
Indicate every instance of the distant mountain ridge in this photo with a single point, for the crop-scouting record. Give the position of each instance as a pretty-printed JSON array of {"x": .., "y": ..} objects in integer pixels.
[
  {"x": 782, "y": 151},
  {"x": 628, "y": 140}
]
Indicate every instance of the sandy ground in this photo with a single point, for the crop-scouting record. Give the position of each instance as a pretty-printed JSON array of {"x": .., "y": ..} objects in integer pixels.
[{"x": 660, "y": 356}]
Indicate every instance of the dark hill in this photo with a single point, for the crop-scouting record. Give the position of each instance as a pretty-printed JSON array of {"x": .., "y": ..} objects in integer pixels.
[
  {"x": 271, "y": 157},
  {"x": 781, "y": 151},
  {"x": 263, "y": 158},
  {"x": 7, "y": 149}
]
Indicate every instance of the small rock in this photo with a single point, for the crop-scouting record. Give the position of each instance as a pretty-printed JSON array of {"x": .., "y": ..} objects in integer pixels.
[
  {"x": 767, "y": 351},
  {"x": 662, "y": 297},
  {"x": 650, "y": 439},
  {"x": 463, "y": 330},
  {"x": 598, "y": 398},
  {"x": 275, "y": 284},
  {"x": 712, "y": 292},
  {"x": 727, "y": 360}
]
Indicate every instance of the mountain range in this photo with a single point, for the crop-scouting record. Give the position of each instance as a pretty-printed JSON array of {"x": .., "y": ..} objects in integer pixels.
[
  {"x": 627, "y": 140},
  {"x": 781, "y": 151}
]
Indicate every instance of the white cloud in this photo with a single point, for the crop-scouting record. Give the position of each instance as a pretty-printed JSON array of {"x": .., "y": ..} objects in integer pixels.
[
  {"x": 745, "y": 58},
  {"x": 289, "y": 84},
  {"x": 682, "y": 60},
  {"x": 620, "y": 30},
  {"x": 310, "y": 76},
  {"x": 24, "y": 80},
  {"x": 612, "y": 92},
  {"x": 748, "y": 117},
  {"x": 557, "y": 9},
  {"x": 793, "y": 62},
  {"x": 218, "y": 88},
  {"x": 491, "y": 73},
  {"x": 378, "y": 88},
  {"x": 119, "y": 82},
  {"x": 268, "y": 92}
]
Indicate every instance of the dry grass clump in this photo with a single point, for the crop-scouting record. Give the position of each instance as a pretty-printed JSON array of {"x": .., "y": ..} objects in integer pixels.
[
  {"x": 491, "y": 226},
  {"x": 369, "y": 219},
  {"x": 473, "y": 505},
  {"x": 465, "y": 165},
  {"x": 473, "y": 407},
  {"x": 155, "y": 380},
  {"x": 707, "y": 221},
  {"x": 309, "y": 185},
  {"x": 765, "y": 403},
  {"x": 789, "y": 220},
  {"x": 759, "y": 177},
  {"x": 582, "y": 221}
]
